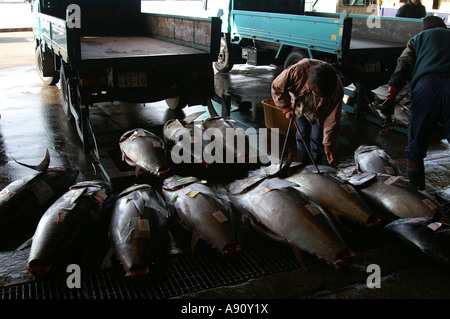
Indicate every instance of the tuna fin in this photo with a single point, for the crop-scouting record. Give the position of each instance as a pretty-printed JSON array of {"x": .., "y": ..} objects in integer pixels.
[
  {"x": 42, "y": 167},
  {"x": 137, "y": 171},
  {"x": 26, "y": 244},
  {"x": 298, "y": 255},
  {"x": 107, "y": 257},
  {"x": 194, "y": 241},
  {"x": 339, "y": 223}
]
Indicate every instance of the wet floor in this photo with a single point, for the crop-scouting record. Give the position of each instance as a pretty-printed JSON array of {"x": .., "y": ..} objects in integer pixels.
[{"x": 32, "y": 120}]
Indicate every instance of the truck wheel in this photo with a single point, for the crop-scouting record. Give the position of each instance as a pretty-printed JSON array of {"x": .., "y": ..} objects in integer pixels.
[
  {"x": 39, "y": 61},
  {"x": 176, "y": 103},
  {"x": 67, "y": 93},
  {"x": 223, "y": 63},
  {"x": 293, "y": 57}
]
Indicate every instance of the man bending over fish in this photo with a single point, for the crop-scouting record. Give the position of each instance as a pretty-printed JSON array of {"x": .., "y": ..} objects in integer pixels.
[{"x": 311, "y": 92}]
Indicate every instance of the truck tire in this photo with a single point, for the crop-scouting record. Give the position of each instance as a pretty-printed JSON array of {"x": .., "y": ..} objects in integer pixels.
[
  {"x": 176, "y": 103},
  {"x": 223, "y": 63},
  {"x": 293, "y": 57},
  {"x": 67, "y": 92},
  {"x": 39, "y": 61}
]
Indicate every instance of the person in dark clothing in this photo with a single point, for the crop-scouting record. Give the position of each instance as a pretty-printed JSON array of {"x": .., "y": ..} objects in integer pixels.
[
  {"x": 425, "y": 63},
  {"x": 412, "y": 9}
]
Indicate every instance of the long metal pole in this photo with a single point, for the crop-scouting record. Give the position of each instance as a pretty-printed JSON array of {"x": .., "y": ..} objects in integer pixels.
[{"x": 306, "y": 147}]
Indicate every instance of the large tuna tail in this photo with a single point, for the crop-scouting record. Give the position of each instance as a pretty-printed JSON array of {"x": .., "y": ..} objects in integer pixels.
[{"x": 42, "y": 167}]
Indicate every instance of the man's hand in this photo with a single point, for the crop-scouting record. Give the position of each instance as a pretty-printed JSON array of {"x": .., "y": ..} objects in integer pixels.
[
  {"x": 387, "y": 107},
  {"x": 329, "y": 153},
  {"x": 290, "y": 114}
]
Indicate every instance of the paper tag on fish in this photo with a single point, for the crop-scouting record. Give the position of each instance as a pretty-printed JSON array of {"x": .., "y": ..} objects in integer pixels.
[
  {"x": 173, "y": 199},
  {"x": 192, "y": 194},
  {"x": 266, "y": 190},
  {"x": 391, "y": 180},
  {"x": 156, "y": 144},
  {"x": 100, "y": 196},
  {"x": 220, "y": 216},
  {"x": 313, "y": 210},
  {"x": 136, "y": 228},
  {"x": 42, "y": 191},
  {"x": 72, "y": 196},
  {"x": 389, "y": 170},
  {"x": 6, "y": 193},
  {"x": 434, "y": 226},
  {"x": 61, "y": 215},
  {"x": 347, "y": 188},
  {"x": 429, "y": 203}
]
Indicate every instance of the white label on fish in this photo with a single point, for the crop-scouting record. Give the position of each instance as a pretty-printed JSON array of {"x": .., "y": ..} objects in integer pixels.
[
  {"x": 434, "y": 226},
  {"x": 429, "y": 203},
  {"x": 347, "y": 188},
  {"x": 313, "y": 210},
  {"x": 389, "y": 170},
  {"x": 220, "y": 216}
]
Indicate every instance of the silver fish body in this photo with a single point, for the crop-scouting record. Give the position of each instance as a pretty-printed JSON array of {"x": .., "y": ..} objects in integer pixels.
[
  {"x": 394, "y": 195},
  {"x": 425, "y": 234},
  {"x": 68, "y": 225},
  {"x": 138, "y": 230},
  {"x": 202, "y": 211},
  {"x": 143, "y": 149},
  {"x": 212, "y": 141},
  {"x": 371, "y": 158},
  {"x": 24, "y": 201},
  {"x": 334, "y": 194},
  {"x": 289, "y": 216}
]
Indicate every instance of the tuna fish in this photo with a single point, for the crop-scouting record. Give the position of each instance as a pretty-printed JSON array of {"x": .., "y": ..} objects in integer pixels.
[
  {"x": 277, "y": 208},
  {"x": 371, "y": 158},
  {"x": 334, "y": 194},
  {"x": 23, "y": 201},
  {"x": 203, "y": 212},
  {"x": 66, "y": 230},
  {"x": 139, "y": 229},
  {"x": 211, "y": 141},
  {"x": 394, "y": 195},
  {"x": 175, "y": 130},
  {"x": 424, "y": 234},
  {"x": 143, "y": 149}
]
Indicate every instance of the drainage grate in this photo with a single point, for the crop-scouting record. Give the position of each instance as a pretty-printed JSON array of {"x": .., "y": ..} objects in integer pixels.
[{"x": 185, "y": 274}]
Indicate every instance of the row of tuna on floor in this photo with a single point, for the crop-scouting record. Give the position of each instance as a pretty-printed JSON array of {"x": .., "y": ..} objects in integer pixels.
[{"x": 297, "y": 205}]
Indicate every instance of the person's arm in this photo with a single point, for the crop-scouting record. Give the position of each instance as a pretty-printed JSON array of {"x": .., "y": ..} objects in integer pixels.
[
  {"x": 402, "y": 73},
  {"x": 332, "y": 126},
  {"x": 288, "y": 82}
]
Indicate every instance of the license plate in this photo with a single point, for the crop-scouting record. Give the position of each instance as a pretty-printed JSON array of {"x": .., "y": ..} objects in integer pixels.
[
  {"x": 372, "y": 67},
  {"x": 131, "y": 79}
]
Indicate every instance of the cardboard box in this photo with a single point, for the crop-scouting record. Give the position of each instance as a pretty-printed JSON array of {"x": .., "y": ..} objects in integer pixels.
[{"x": 274, "y": 118}]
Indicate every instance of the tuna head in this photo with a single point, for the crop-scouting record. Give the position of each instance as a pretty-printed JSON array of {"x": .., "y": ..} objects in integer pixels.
[{"x": 143, "y": 149}]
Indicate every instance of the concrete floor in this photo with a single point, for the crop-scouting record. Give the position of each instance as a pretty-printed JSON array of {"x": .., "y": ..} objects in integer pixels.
[{"x": 32, "y": 120}]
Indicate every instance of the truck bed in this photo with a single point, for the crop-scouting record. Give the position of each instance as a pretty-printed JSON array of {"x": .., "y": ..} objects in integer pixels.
[
  {"x": 357, "y": 43},
  {"x": 109, "y": 47}
]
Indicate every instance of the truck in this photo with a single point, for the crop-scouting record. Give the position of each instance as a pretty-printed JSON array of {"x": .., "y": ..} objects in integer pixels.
[
  {"x": 363, "y": 47},
  {"x": 108, "y": 50}
]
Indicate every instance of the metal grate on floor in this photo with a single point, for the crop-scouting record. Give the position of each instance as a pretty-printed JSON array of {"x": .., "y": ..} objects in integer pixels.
[{"x": 185, "y": 274}]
